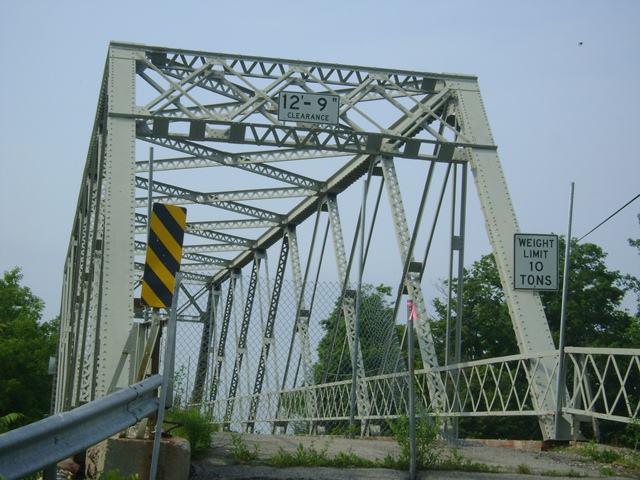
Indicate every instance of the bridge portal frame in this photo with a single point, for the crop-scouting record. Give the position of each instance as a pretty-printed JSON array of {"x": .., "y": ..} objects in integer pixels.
[{"x": 98, "y": 333}]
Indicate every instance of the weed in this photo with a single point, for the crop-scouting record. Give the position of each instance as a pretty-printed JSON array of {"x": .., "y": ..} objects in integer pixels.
[
  {"x": 427, "y": 453},
  {"x": 241, "y": 453},
  {"x": 523, "y": 469},
  {"x": 632, "y": 432},
  {"x": 193, "y": 426},
  {"x": 307, "y": 457},
  {"x": 606, "y": 472},
  {"x": 351, "y": 460},
  {"x": 554, "y": 473},
  {"x": 457, "y": 462},
  {"x": 591, "y": 451}
]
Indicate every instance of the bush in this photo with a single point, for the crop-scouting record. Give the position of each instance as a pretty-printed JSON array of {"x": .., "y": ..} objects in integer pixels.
[
  {"x": 427, "y": 451},
  {"x": 193, "y": 426}
]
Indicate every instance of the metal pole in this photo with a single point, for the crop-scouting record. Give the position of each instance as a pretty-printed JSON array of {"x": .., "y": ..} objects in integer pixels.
[
  {"x": 167, "y": 376},
  {"x": 412, "y": 316},
  {"x": 147, "y": 310},
  {"x": 460, "y": 295},
  {"x": 563, "y": 319}
]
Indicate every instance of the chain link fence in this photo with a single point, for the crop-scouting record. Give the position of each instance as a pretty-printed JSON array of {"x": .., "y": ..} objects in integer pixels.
[{"x": 254, "y": 360}]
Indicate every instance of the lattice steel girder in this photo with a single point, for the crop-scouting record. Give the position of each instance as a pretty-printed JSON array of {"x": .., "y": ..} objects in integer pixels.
[
  {"x": 99, "y": 278},
  {"x": 241, "y": 346},
  {"x": 301, "y": 330},
  {"x": 208, "y": 199},
  {"x": 220, "y": 351},
  {"x": 185, "y": 146},
  {"x": 527, "y": 314},
  {"x": 302, "y": 138},
  {"x": 268, "y": 337},
  {"x": 228, "y": 158},
  {"x": 240, "y": 195},
  {"x": 348, "y": 308},
  {"x": 412, "y": 281}
]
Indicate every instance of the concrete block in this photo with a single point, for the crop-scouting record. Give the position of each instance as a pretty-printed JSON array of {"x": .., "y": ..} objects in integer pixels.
[{"x": 133, "y": 456}]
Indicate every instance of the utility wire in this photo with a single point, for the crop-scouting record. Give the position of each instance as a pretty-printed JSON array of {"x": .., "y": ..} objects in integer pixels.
[{"x": 611, "y": 216}]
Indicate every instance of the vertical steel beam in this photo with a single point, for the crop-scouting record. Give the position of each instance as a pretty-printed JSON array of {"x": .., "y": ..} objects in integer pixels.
[
  {"x": 207, "y": 318},
  {"x": 525, "y": 307},
  {"x": 241, "y": 347},
  {"x": 116, "y": 297},
  {"x": 222, "y": 341},
  {"x": 349, "y": 308},
  {"x": 302, "y": 328},
  {"x": 268, "y": 338},
  {"x": 412, "y": 282}
]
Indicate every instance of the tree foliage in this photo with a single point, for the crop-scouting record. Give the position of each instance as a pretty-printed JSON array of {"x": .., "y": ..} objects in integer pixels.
[
  {"x": 25, "y": 347},
  {"x": 379, "y": 344},
  {"x": 595, "y": 318},
  {"x": 377, "y": 337}
]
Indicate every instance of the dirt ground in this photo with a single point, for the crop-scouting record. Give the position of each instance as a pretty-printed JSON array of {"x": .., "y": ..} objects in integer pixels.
[{"x": 540, "y": 465}]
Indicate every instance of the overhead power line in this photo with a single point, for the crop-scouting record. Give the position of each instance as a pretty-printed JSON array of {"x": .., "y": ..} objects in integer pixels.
[{"x": 611, "y": 216}]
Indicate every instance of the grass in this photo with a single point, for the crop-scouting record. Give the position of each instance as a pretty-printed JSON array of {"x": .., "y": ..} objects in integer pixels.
[
  {"x": 241, "y": 453},
  {"x": 554, "y": 473},
  {"x": 312, "y": 457},
  {"x": 430, "y": 457},
  {"x": 628, "y": 459},
  {"x": 523, "y": 469}
]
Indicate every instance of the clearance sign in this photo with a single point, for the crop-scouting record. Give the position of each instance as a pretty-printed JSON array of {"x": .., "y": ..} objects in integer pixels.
[
  {"x": 535, "y": 262},
  {"x": 307, "y": 107}
]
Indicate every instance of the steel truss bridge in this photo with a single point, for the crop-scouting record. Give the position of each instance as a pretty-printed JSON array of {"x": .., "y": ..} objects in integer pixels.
[{"x": 286, "y": 222}]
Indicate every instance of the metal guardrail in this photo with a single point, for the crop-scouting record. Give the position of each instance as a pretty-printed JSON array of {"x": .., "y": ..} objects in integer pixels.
[{"x": 44, "y": 443}]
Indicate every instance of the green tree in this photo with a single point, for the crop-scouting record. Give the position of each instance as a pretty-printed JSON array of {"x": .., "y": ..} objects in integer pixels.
[
  {"x": 377, "y": 334},
  {"x": 595, "y": 318},
  {"x": 378, "y": 343},
  {"x": 25, "y": 347}
]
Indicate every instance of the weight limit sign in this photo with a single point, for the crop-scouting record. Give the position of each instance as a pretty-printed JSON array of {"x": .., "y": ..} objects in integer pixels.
[{"x": 535, "y": 262}]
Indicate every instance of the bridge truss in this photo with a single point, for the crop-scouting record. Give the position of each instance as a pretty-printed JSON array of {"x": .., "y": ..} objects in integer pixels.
[{"x": 269, "y": 203}]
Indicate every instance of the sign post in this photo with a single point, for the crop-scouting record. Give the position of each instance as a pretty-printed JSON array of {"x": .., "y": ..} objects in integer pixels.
[
  {"x": 535, "y": 262},
  {"x": 412, "y": 319}
]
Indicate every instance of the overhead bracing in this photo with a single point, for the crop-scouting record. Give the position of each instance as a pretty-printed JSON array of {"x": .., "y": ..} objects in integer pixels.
[{"x": 212, "y": 122}]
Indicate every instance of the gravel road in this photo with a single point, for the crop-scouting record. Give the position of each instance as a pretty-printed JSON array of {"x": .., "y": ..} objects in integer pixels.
[{"x": 540, "y": 465}]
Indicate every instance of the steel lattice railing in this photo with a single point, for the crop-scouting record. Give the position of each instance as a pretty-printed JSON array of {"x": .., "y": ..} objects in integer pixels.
[
  {"x": 606, "y": 383},
  {"x": 602, "y": 383}
]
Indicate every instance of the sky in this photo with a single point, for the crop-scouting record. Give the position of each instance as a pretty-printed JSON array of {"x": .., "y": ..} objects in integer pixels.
[{"x": 559, "y": 81}]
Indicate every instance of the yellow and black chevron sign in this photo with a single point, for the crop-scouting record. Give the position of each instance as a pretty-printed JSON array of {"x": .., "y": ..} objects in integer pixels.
[{"x": 164, "y": 254}]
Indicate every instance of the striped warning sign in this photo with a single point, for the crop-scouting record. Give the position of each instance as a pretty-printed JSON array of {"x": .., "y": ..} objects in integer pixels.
[{"x": 164, "y": 254}]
